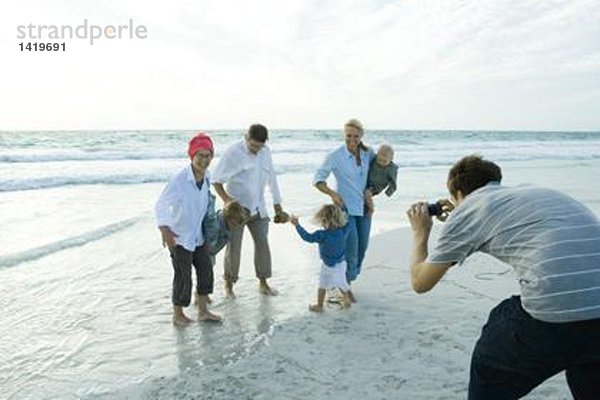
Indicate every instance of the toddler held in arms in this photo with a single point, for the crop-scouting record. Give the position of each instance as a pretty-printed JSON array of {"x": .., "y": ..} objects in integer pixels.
[
  {"x": 382, "y": 175},
  {"x": 218, "y": 224},
  {"x": 332, "y": 248}
]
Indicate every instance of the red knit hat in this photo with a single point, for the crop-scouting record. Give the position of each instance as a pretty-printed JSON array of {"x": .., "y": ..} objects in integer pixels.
[{"x": 199, "y": 142}]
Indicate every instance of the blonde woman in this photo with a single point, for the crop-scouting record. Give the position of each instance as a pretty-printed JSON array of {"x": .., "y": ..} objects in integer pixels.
[
  {"x": 332, "y": 248},
  {"x": 349, "y": 164}
]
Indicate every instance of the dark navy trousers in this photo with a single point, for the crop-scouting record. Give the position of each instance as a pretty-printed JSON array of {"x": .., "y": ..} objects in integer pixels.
[
  {"x": 516, "y": 352},
  {"x": 182, "y": 260}
]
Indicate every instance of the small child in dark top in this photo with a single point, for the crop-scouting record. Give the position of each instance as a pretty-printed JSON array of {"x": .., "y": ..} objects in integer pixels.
[
  {"x": 382, "y": 174},
  {"x": 332, "y": 249},
  {"x": 218, "y": 224}
]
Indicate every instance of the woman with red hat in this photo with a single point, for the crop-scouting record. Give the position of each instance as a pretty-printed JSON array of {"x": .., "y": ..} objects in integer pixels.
[{"x": 180, "y": 210}]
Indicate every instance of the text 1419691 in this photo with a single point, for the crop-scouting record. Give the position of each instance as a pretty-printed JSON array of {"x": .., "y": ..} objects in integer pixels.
[{"x": 35, "y": 46}]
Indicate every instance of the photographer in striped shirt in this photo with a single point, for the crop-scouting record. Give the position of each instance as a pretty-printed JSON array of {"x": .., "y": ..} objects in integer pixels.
[{"x": 553, "y": 243}]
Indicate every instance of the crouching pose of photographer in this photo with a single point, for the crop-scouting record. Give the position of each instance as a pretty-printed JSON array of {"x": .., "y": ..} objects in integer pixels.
[{"x": 553, "y": 244}]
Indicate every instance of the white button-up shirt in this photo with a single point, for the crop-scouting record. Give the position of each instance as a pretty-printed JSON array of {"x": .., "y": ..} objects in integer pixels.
[
  {"x": 182, "y": 207},
  {"x": 246, "y": 175}
]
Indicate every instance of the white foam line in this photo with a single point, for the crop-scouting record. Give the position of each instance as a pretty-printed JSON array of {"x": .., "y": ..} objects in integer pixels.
[
  {"x": 53, "y": 182},
  {"x": 42, "y": 251}
]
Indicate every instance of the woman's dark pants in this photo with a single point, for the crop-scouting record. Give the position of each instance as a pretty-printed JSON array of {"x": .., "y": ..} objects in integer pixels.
[{"x": 183, "y": 260}]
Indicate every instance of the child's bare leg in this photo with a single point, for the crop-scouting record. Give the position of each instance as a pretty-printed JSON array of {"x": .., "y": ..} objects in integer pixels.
[
  {"x": 320, "y": 299},
  {"x": 351, "y": 296},
  {"x": 179, "y": 318},
  {"x": 346, "y": 301},
  {"x": 203, "y": 313}
]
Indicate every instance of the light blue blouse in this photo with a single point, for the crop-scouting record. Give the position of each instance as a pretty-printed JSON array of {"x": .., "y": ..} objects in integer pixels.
[{"x": 351, "y": 179}]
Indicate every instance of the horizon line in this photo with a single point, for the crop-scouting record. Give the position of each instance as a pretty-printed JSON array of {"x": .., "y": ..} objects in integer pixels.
[{"x": 306, "y": 129}]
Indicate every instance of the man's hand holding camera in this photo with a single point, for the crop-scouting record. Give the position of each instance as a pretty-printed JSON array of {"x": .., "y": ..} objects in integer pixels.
[
  {"x": 443, "y": 208},
  {"x": 425, "y": 276},
  {"x": 420, "y": 215},
  {"x": 420, "y": 219}
]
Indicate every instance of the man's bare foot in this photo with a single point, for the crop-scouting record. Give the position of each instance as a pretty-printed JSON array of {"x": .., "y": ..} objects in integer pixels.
[
  {"x": 315, "y": 308},
  {"x": 267, "y": 290},
  {"x": 181, "y": 320},
  {"x": 351, "y": 296},
  {"x": 207, "y": 316},
  {"x": 229, "y": 290}
]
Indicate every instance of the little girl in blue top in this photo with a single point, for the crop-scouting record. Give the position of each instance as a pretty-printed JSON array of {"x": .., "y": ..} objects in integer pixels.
[{"x": 332, "y": 248}]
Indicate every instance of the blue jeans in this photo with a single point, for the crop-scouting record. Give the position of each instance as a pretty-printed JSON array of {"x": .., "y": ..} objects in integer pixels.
[
  {"x": 516, "y": 352},
  {"x": 356, "y": 245}
]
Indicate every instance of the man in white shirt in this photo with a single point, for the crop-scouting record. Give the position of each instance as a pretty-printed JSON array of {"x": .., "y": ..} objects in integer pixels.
[
  {"x": 180, "y": 210},
  {"x": 246, "y": 168}
]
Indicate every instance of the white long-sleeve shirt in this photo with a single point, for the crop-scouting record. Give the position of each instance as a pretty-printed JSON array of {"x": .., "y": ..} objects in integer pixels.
[
  {"x": 246, "y": 175},
  {"x": 182, "y": 207}
]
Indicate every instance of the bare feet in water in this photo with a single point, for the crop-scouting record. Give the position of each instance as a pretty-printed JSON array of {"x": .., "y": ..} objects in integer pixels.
[
  {"x": 181, "y": 320},
  {"x": 208, "y": 316},
  {"x": 265, "y": 289},
  {"x": 229, "y": 290},
  {"x": 203, "y": 313},
  {"x": 315, "y": 308}
]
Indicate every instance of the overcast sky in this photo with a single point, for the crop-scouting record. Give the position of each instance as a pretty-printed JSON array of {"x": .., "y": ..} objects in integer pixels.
[{"x": 420, "y": 64}]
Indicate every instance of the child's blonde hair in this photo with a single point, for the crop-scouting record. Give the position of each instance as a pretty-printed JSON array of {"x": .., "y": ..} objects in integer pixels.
[
  {"x": 387, "y": 149},
  {"x": 331, "y": 216},
  {"x": 235, "y": 213}
]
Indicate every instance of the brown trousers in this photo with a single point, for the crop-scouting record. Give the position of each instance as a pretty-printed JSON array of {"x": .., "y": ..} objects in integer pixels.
[{"x": 259, "y": 229}]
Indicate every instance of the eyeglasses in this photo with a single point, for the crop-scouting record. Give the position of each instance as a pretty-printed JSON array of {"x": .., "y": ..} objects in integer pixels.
[
  {"x": 203, "y": 155},
  {"x": 253, "y": 145}
]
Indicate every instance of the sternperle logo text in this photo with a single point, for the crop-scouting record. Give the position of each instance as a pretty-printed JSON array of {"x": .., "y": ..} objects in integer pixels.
[{"x": 86, "y": 31}]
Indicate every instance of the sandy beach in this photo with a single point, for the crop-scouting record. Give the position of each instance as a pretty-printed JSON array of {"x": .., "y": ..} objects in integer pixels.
[
  {"x": 86, "y": 284},
  {"x": 393, "y": 344}
]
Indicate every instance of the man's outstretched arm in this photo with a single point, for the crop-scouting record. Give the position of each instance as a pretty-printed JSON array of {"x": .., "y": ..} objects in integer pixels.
[{"x": 424, "y": 275}]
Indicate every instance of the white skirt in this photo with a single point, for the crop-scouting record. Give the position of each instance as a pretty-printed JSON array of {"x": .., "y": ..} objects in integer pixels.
[{"x": 333, "y": 277}]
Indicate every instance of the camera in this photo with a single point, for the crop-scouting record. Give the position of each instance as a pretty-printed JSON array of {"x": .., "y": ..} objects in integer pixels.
[
  {"x": 441, "y": 209},
  {"x": 434, "y": 209}
]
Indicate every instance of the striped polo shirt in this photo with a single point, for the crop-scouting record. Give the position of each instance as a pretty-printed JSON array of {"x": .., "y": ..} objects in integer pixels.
[{"x": 551, "y": 240}]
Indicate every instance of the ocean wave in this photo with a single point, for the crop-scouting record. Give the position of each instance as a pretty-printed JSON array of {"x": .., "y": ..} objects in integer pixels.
[
  {"x": 448, "y": 161},
  {"x": 53, "y": 182},
  {"x": 156, "y": 173},
  {"x": 317, "y": 144},
  {"x": 91, "y": 156},
  {"x": 16, "y": 158},
  {"x": 79, "y": 240}
]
